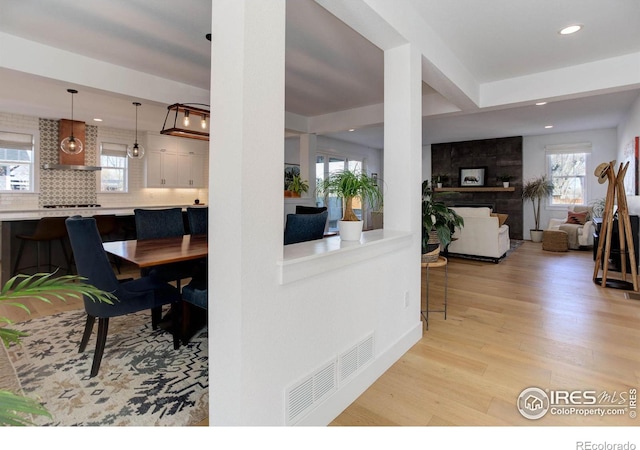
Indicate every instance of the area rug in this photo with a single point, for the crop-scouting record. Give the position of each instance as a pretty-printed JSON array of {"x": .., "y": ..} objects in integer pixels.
[{"x": 142, "y": 381}]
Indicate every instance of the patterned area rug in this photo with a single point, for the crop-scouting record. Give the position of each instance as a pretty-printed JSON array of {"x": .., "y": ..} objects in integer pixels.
[{"x": 142, "y": 379}]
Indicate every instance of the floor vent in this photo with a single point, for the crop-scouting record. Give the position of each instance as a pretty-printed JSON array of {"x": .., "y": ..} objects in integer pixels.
[
  {"x": 355, "y": 358},
  {"x": 304, "y": 395}
]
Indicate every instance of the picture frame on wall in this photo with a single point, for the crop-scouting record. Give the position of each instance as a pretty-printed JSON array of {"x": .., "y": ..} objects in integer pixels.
[{"x": 472, "y": 176}]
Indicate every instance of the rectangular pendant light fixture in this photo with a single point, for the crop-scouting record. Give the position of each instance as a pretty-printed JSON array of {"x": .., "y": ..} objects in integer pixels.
[{"x": 187, "y": 120}]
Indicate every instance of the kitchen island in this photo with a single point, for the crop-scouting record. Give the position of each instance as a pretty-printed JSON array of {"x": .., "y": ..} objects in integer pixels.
[{"x": 24, "y": 222}]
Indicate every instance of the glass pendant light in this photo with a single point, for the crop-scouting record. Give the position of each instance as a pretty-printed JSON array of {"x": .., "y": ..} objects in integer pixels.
[
  {"x": 71, "y": 145},
  {"x": 186, "y": 118},
  {"x": 137, "y": 151}
]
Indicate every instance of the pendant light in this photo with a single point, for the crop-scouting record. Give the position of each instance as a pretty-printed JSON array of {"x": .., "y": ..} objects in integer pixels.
[
  {"x": 70, "y": 144},
  {"x": 137, "y": 151}
]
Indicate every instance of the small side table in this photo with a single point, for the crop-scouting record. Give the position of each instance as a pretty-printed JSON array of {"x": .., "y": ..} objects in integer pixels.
[{"x": 441, "y": 262}]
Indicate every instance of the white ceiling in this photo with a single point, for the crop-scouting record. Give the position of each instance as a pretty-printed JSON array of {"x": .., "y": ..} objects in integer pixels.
[{"x": 329, "y": 67}]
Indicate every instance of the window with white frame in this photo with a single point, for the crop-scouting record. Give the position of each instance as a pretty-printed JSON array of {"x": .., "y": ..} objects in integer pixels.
[
  {"x": 16, "y": 162},
  {"x": 567, "y": 170},
  {"x": 113, "y": 159}
]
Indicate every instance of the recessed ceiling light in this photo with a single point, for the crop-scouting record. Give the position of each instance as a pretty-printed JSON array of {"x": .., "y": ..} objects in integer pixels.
[
  {"x": 352, "y": 129},
  {"x": 548, "y": 126},
  {"x": 97, "y": 120},
  {"x": 541, "y": 103},
  {"x": 570, "y": 29}
]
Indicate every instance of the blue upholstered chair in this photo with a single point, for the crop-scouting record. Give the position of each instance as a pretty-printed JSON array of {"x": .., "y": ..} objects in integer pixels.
[
  {"x": 194, "y": 293},
  {"x": 133, "y": 295},
  {"x": 198, "y": 219},
  {"x": 303, "y": 209},
  {"x": 304, "y": 227},
  {"x": 158, "y": 223},
  {"x": 163, "y": 223}
]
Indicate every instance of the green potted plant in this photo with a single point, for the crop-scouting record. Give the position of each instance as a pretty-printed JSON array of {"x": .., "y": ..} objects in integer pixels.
[
  {"x": 349, "y": 185},
  {"x": 297, "y": 186},
  {"x": 15, "y": 409},
  {"x": 505, "y": 179},
  {"x": 438, "y": 224},
  {"x": 537, "y": 190}
]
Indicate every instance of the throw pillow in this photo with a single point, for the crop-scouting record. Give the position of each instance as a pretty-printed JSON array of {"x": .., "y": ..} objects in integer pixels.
[
  {"x": 502, "y": 218},
  {"x": 577, "y": 218}
]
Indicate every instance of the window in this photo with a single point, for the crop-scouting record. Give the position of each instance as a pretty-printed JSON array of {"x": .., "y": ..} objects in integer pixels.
[
  {"x": 113, "y": 159},
  {"x": 567, "y": 170},
  {"x": 16, "y": 162}
]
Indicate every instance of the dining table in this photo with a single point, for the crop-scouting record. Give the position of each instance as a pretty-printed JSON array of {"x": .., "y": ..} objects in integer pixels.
[
  {"x": 147, "y": 253},
  {"x": 155, "y": 252}
]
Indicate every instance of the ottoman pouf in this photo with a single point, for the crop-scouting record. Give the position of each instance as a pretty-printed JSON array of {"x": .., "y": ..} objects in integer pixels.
[{"x": 555, "y": 241}]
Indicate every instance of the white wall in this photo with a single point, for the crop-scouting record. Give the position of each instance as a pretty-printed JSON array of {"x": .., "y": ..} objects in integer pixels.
[
  {"x": 603, "y": 149},
  {"x": 266, "y": 336},
  {"x": 627, "y": 131}
]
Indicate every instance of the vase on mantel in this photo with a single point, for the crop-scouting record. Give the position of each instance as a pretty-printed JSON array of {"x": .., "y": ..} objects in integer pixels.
[{"x": 505, "y": 184}]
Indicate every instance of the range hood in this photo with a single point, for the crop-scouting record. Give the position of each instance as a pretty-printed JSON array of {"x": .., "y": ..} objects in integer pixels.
[
  {"x": 70, "y": 167},
  {"x": 67, "y": 161}
]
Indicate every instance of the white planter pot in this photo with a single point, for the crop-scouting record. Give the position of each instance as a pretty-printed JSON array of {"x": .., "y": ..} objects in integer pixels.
[
  {"x": 350, "y": 230},
  {"x": 536, "y": 235},
  {"x": 505, "y": 184},
  {"x": 439, "y": 185}
]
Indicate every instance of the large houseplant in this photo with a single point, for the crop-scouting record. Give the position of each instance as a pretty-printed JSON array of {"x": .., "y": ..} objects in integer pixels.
[
  {"x": 537, "y": 190},
  {"x": 438, "y": 224},
  {"x": 349, "y": 185},
  {"x": 15, "y": 409}
]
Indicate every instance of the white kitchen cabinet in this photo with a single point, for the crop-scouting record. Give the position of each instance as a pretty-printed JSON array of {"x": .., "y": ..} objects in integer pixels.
[
  {"x": 162, "y": 168},
  {"x": 175, "y": 162}
]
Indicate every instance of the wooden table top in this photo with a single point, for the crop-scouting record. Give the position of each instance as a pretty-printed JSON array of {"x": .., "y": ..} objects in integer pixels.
[{"x": 154, "y": 252}]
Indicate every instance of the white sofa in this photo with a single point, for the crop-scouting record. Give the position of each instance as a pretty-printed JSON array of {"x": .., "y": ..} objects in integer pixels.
[
  {"x": 579, "y": 235},
  {"x": 481, "y": 234}
]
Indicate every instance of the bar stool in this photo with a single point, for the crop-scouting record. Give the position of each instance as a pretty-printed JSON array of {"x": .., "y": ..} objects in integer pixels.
[
  {"x": 441, "y": 262},
  {"x": 48, "y": 229}
]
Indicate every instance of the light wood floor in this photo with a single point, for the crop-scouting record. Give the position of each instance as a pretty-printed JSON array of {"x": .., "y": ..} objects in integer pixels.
[{"x": 535, "y": 319}]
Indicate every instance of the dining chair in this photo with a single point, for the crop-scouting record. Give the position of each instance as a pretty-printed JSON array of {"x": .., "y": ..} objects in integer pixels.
[
  {"x": 158, "y": 223},
  {"x": 107, "y": 225},
  {"x": 163, "y": 223},
  {"x": 198, "y": 218},
  {"x": 195, "y": 293},
  {"x": 304, "y": 227},
  {"x": 303, "y": 209},
  {"x": 133, "y": 295}
]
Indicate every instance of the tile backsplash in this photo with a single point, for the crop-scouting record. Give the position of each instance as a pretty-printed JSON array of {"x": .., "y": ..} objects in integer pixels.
[{"x": 62, "y": 187}]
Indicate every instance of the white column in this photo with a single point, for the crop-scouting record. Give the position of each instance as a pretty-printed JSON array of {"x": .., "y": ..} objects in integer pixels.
[
  {"x": 402, "y": 138},
  {"x": 246, "y": 163}
]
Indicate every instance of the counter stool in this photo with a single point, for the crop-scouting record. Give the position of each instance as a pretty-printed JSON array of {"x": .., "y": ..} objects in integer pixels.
[
  {"x": 440, "y": 262},
  {"x": 48, "y": 229}
]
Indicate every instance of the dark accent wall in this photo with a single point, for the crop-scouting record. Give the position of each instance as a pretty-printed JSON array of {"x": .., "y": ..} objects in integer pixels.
[{"x": 499, "y": 156}]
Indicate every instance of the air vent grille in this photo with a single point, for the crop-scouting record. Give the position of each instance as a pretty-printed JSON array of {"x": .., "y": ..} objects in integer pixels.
[
  {"x": 307, "y": 393},
  {"x": 313, "y": 389},
  {"x": 355, "y": 358}
]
